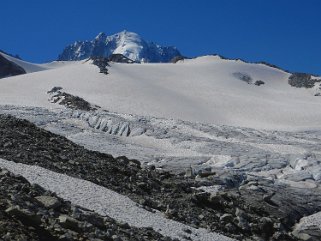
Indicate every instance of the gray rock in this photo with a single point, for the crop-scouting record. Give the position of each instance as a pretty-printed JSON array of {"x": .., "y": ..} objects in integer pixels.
[
  {"x": 299, "y": 176},
  {"x": 300, "y": 80},
  {"x": 303, "y": 236},
  {"x": 230, "y": 227},
  {"x": 69, "y": 222},
  {"x": 243, "y": 76},
  {"x": 226, "y": 218},
  {"x": 49, "y": 201},
  {"x": 259, "y": 82},
  {"x": 24, "y": 214}
]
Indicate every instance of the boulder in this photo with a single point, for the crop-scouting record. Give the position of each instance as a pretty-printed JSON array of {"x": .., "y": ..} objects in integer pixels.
[{"x": 48, "y": 201}]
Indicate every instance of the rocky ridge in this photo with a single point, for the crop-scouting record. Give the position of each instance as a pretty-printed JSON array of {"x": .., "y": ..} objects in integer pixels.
[
  {"x": 74, "y": 102},
  {"x": 308, "y": 81}
]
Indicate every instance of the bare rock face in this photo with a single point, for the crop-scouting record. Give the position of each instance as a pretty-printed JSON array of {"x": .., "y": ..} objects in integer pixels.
[{"x": 8, "y": 68}]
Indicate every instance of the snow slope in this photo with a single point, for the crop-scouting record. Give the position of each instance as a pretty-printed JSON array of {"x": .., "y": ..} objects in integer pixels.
[
  {"x": 204, "y": 89},
  {"x": 106, "y": 202}
]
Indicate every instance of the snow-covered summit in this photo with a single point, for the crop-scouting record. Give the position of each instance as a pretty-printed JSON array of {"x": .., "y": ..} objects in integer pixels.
[{"x": 129, "y": 44}]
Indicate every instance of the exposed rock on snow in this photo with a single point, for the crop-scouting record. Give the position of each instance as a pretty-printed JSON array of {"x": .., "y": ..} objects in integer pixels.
[
  {"x": 244, "y": 77},
  {"x": 68, "y": 100},
  {"x": 303, "y": 80},
  {"x": 119, "y": 58},
  {"x": 247, "y": 78},
  {"x": 101, "y": 63},
  {"x": 259, "y": 82}
]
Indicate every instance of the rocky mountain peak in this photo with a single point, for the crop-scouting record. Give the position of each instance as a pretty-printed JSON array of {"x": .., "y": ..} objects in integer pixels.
[{"x": 126, "y": 43}]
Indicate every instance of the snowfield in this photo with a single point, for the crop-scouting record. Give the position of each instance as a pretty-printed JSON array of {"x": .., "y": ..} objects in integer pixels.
[
  {"x": 203, "y": 90},
  {"x": 204, "y": 115}
]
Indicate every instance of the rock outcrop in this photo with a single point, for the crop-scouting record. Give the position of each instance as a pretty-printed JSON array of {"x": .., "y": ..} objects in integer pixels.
[{"x": 302, "y": 80}]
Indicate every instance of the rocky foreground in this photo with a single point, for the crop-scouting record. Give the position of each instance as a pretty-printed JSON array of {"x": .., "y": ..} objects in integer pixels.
[
  {"x": 249, "y": 208},
  {"x": 28, "y": 212}
]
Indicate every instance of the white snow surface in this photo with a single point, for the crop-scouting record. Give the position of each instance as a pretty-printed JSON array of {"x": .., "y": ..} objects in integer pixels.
[
  {"x": 106, "y": 202},
  {"x": 199, "y": 90},
  {"x": 128, "y": 44}
]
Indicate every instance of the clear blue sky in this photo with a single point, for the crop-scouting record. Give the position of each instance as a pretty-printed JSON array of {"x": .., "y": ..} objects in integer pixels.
[{"x": 283, "y": 32}]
